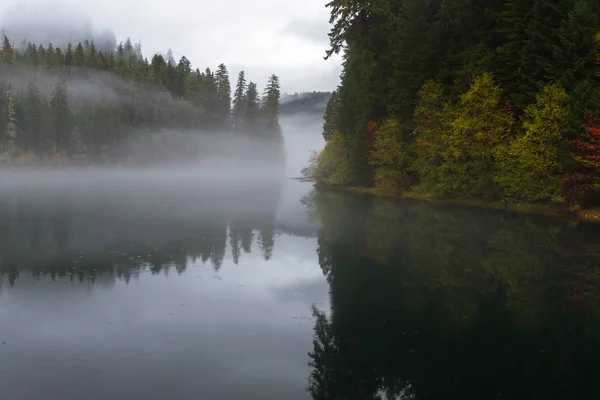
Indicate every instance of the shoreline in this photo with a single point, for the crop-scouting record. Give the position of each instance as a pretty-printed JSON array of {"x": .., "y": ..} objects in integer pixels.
[{"x": 587, "y": 215}]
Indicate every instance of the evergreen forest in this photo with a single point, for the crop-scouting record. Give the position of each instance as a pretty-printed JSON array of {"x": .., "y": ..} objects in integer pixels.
[
  {"x": 84, "y": 105},
  {"x": 496, "y": 100}
]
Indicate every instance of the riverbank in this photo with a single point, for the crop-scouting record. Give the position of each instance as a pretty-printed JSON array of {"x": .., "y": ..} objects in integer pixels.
[{"x": 588, "y": 214}]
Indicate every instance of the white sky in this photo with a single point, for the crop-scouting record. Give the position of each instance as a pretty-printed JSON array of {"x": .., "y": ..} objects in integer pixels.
[{"x": 285, "y": 37}]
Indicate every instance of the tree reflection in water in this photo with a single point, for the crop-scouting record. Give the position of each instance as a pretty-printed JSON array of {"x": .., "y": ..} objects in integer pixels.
[
  {"x": 81, "y": 233},
  {"x": 432, "y": 301}
]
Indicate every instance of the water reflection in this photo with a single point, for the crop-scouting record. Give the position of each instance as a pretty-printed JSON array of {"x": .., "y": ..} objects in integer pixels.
[
  {"x": 86, "y": 313},
  {"x": 444, "y": 302},
  {"x": 122, "y": 228}
]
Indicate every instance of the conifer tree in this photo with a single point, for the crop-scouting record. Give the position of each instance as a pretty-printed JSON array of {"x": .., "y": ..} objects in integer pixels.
[
  {"x": 61, "y": 116},
  {"x": 59, "y": 58},
  {"x": 239, "y": 102},
  {"x": 330, "y": 116},
  {"x": 49, "y": 57},
  {"x": 252, "y": 108},
  {"x": 91, "y": 56},
  {"x": 79, "y": 56},
  {"x": 223, "y": 96},
  {"x": 69, "y": 55},
  {"x": 270, "y": 105},
  {"x": 41, "y": 56},
  {"x": 7, "y": 53},
  {"x": 11, "y": 124}
]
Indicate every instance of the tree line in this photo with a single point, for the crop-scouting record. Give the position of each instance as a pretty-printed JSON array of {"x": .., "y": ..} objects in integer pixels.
[
  {"x": 61, "y": 234},
  {"x": 462, "y": 98},
  {"x": 304, "y": 102},
  {"x": 82, "y": 104}
]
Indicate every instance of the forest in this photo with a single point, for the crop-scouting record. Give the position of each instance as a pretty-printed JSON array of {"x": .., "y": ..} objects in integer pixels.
[
  {"x": 88, "y": 105},
  {"x": 305, "y": 102},
  {"x": 495, "y": 100}
]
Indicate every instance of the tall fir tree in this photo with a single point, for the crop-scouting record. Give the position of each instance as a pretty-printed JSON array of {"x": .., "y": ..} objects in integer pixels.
[
  {"x": 252, "y": 109},
  {"x": 61, "y": 116},
  {"x": 10, "y": 138},
  {"x": 7, "y": 54},
  {"x": 223, "y": 96},
  {"x": 239, "y": 102},
  {"x": 79, "y": 56},
  {"x": 330, "y": 116},
  {"x": 270, "y": 105},
  {"x": 69, "y": 55}
]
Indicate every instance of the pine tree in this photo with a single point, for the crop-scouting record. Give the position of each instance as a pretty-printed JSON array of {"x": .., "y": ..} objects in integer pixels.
[
  {"x": 69, "y": 55},
  {"x": 50, "y": 59},
  {"x": 330, "y": 123},
  {"x": 59, "y": 58},
  {"x": 11, "y": 124},
  {"x": 79, "y": 56},
  {"x": 7, "y": 53},
  {"x": 415, "y": 32},
  {"x": 239, "y": 102},
  {"x": 270, "y": 105},
  {"x": 61, "y": 116},
  {"x": 252, "y": 109},
  {"x": 223, "y": 96},
  {"x": 32, "y": 56},
  {"x": 41, "y": 56},
  {"x": 91, "y": 56},
  {"x": 209, "y": 97},
  {"x": 514, "y": 19}
]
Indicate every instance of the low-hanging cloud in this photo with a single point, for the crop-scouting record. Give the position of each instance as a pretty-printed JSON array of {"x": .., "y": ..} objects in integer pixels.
[{"x": 266, "y": 36}]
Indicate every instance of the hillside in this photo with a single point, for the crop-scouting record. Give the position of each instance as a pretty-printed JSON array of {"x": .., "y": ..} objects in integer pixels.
[{"x": 82, "y": 105}]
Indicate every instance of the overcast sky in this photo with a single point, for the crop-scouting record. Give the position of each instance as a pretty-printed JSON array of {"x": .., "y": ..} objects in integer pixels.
[{"x": 285, "y": 37}]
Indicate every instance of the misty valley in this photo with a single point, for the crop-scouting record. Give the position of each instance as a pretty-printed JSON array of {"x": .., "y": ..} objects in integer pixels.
[
  {"x": 84, "y": 105},
  {"x": 358, "y": 200}
]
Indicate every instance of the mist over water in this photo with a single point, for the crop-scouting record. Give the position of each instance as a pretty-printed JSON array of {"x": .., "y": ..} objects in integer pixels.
[
  {"x": 206, "y": 269},
  {"x": 302, "y": 133}
]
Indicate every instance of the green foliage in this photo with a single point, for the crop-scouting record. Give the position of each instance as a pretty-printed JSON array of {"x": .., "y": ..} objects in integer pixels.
[
  {"x": 270, "y": 105},
  {"x": 330, "y": 116},
  {"x": 432, "y": 119},
  {"x": 394, "y": 51},
  {"x": 7, "y": 54},
  {"x": 331, "y": 165},
  {"x": 310, "y": 170},
  {"x": 223, "y": 101},
  {"x": 239, "y": 101},
  {"x": 391, "y": 157},
  {"x": 251, "y": 108},
  {"x": 479, "y": 124},
  {"x": 530, "y": 166}
]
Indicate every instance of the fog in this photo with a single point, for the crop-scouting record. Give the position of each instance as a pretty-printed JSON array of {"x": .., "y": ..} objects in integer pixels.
[
  {"x": 302, "y": 134},
  {"x": 241, "y": 35},
  {"x": 30, "y": 22}
]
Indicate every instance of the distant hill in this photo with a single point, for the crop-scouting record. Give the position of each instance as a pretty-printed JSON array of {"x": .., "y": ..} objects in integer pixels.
[{"x": 305, "y": 102}]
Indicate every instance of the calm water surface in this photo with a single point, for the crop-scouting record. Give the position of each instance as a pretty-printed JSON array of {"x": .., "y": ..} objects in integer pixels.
[{"x": 150, "y": 286}]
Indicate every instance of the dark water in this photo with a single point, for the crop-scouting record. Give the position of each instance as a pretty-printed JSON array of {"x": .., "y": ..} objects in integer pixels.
[{"x": 190, "y": 287}]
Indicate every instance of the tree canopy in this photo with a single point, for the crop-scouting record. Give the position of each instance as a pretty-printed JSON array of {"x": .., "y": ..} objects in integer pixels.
[{"x": 466, "y": 94}]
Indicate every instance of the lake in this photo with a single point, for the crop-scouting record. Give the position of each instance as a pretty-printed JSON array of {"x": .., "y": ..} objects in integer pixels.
[{"x": 184, "y": 285}]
